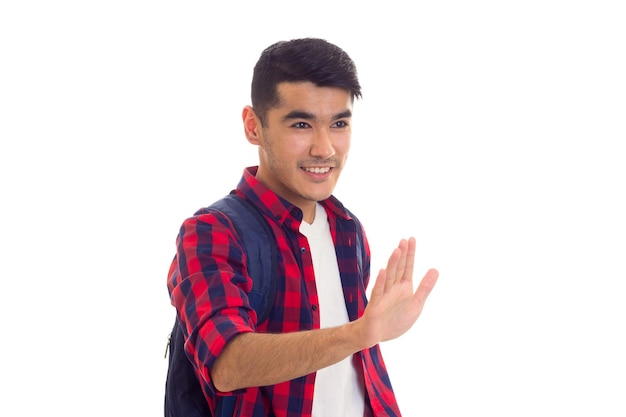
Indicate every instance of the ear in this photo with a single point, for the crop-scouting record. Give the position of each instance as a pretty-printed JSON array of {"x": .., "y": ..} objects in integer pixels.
[{"x": 251, "y": 125}]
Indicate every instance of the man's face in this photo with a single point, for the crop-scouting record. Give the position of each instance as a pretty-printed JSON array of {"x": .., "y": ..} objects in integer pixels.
[{"x": 304, "y": 143}]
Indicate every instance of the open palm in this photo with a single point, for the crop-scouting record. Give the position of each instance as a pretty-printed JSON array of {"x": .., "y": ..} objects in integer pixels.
[{"x": 393, "y": 306}]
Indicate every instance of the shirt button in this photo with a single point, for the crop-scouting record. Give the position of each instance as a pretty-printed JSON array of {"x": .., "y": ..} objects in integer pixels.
[
  {"x": 314, "y": 307},
  {"x": 303, "y": 250}
]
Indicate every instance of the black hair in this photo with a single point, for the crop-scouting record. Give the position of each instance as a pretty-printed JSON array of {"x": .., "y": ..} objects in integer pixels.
[{"x": 300, "y": 60}]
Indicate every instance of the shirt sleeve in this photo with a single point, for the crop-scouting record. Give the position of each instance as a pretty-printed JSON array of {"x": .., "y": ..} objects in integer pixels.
[{"x": 209, "y": 286}]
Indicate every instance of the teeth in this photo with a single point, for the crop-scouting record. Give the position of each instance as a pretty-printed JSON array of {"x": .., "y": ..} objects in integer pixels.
[{"x": 318, "y": 170}]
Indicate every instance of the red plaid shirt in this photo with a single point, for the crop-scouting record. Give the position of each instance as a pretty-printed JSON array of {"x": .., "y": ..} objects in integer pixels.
[{"x": 210, "y": 296}]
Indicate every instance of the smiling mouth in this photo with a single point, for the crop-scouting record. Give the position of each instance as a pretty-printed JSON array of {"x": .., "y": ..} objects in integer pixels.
[{"x": 317, "y": 170}]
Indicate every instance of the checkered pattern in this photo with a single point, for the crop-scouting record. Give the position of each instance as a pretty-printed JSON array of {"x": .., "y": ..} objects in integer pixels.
[{"x": 210, "y": 295}]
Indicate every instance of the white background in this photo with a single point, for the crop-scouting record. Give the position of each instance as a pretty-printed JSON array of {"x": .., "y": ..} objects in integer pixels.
[{"x": 492, "y": 131}]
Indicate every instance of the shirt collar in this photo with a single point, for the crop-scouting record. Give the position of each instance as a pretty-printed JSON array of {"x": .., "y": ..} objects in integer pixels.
[{"x": 275, "y": 206}]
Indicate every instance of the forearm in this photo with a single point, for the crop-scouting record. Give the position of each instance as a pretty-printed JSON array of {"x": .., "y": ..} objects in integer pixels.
[
  {"x": 259, "y": 359},
  {"x": 253, "y": 359}
]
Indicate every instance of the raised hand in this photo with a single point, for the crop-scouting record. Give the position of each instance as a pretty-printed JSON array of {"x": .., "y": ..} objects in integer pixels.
[{"x": 393, "y": 306}]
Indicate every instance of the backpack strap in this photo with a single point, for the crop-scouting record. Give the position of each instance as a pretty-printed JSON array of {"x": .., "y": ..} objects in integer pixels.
[
  {"x": 260, "y": 247},
  {"x": 183, "y": 393}
]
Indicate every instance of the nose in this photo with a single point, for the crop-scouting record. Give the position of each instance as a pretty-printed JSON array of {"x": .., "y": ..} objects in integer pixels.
[{"x": 322, "y": 145}]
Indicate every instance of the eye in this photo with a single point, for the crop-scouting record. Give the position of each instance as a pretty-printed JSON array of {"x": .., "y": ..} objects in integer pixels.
[
  {"x": 300, "y": 125},
  {"x": 340, "y": 124}
]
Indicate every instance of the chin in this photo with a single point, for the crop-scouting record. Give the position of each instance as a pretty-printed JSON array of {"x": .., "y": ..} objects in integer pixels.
[{"x": 317, "y": 193}]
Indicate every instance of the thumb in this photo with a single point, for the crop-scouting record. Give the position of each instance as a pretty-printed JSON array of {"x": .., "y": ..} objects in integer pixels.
[{"x": 426, "y": 285}]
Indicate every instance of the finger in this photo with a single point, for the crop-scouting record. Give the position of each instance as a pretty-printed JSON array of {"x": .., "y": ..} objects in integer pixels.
[
  {"x": 392, "y": 268},
  {"x": 407, "y": 275},
  {"x": 426, "y": 286},
  {"x": 403, "y": 246},
  {"x": 379, "y": 287},
  {"x": 395, "y": 266}
]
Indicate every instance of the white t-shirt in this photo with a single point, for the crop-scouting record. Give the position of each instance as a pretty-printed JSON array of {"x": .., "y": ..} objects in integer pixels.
[{"x": 339, "y": 387}]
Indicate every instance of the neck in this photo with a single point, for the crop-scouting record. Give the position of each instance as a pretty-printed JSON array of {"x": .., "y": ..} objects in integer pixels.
[{"x": 308, "y": 215}]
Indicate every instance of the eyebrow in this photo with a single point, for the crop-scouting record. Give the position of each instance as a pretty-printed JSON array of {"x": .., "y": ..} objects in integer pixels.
[{"x": 299, "y": 114}]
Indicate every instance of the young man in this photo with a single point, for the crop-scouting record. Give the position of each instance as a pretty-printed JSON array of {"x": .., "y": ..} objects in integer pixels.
[{"x": 317, "y": 354}]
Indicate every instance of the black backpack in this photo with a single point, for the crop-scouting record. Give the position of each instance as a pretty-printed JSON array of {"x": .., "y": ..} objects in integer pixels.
[{"x": 183, "y": 393}]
